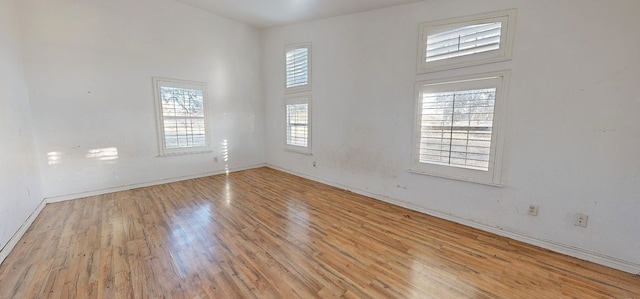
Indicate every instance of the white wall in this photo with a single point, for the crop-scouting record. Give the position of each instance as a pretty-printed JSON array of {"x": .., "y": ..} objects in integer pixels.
[
  {"x": 89, "y": 69},
  {"x": 572, "y": 131},
  {"x": 20, "y": 187}
]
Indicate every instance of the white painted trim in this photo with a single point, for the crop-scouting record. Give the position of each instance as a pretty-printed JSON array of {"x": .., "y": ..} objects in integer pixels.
[
  {"x": 493, "y": 175},
  {"x": 507, "y": 17},
  {"x": 158, "y": 83},
  {"x": 13, "y": 241},
  {"x": 615, "y": 263},
  {"x": 78, "y": 195},
  {"x": 294, "y": 150},
  {"x": 626, "y": 266}
]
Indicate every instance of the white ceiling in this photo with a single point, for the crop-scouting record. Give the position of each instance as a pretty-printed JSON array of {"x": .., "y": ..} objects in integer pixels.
[{"x": 269, "y": 13}]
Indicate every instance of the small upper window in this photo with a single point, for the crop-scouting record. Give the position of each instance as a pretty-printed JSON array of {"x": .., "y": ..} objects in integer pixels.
[
  {"x": 466, "y": 41},
  {"x": 181, "y": 114},
  {"x": 298, "y": 67}
]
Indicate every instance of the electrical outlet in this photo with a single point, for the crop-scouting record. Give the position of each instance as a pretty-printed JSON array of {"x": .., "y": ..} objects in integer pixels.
[
  {"x": 533, "y": 210},
  {"x": 215, "y": 159},
  {"x": 580, "y": 219},
  {"x": 314, "y": 164}
]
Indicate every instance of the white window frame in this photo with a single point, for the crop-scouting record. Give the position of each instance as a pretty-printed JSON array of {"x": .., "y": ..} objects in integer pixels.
[
  {"x": 302, "y": 99},
  {"x": 493, "y": 176},
  {"x": 158, "y": 83},
  {"x": 299, "y": 88},
  {"x": 506, "y": 17}
]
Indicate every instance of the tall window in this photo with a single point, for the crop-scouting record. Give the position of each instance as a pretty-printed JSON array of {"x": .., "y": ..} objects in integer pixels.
[
  {"x": 181, "y": 114},
  {"x": 298, "y": 108},
  {"x": 457, "y": 133},
  {"x": 298, "y": 68},
  {"x": 466, "y": 41},
  {"x": 298, "y": 124}
]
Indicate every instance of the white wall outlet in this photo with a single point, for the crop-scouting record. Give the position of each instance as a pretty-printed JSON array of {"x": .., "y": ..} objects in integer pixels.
[
  {"x": 533, "y": 210},
  {"x": 314, "y": 164},
  {"x": 580, "y": 219},
  {"x": 215, "y": 159}
]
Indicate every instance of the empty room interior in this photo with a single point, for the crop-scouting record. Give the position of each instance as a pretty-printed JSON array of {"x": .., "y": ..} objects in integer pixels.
[{"x": 319, "y": 149}]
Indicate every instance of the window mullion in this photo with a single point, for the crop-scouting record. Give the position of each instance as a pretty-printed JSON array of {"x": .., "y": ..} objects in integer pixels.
[{"x": 453, "y": 118}]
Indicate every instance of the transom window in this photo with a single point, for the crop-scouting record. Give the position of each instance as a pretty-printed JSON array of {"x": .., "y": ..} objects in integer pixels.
[
  {"x": 466, "y": 41},
  {"x": 180, "y": 107},
  {"x": 298, "y": 67}
]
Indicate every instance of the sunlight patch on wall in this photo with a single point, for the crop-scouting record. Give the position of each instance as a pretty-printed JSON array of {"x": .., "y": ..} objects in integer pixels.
[
  {"x": 225, "y": 150},
  {"x": 54, "y": 158},
  {"x": 225, "y": 155},
  {"x": 103, "y": 154}
]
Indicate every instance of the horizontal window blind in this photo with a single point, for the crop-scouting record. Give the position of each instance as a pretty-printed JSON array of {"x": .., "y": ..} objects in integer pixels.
[
  {"x": 465, "y": 40},
  {"x": 456, "y": 127},
  {"x": 183, "y": 117},
  {"x": 297, "y": 67},
  {"x": 298, "y": 124}
]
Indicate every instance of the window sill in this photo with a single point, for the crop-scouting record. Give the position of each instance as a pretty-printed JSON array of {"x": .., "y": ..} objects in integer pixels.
[
  {"x": 163, "y": 155},
  {"x": 297, "y": 89},
  {"x": 458, "y": 178},
  {"x": 298, "y": 151}
]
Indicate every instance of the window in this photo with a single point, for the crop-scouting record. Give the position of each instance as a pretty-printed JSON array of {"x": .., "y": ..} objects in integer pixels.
[
  {"x": 457, "y": 132},
  {"x": 466, "y": 41},
  {"x": 298, "y": 108},
  {"x": 298, "y": 124},
  {"x": 181, "y": 116},
  {"x": 298, "y": 67}
]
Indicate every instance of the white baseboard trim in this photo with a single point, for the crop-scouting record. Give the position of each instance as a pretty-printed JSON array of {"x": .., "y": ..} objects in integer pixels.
[
  {"x": 78, "y": 195},
  {"x": 579, "y": 253},
  {"x": 611, "y": 262},
  {"x": 13, "y": 241},
  {"x": 597, "y": 258}
]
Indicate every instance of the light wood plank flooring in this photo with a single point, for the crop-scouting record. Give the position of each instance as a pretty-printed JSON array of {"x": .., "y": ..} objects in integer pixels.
[{"x": 262, "y": 233}]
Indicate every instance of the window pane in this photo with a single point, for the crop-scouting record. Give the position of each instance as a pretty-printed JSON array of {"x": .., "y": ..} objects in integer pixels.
[
  {"x": 456, "y": 128},
  {"x": 297, "y": 67},
  {"x": 465, "y": 40},
  {"x": 298, "y": 124},
  {"x": 183, "y": 117}
]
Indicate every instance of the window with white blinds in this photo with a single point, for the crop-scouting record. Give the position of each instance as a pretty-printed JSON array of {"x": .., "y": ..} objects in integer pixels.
[
  {"x": 180, "y": 108},
  {"x": 298, "y": 124},
  {"x": 456, "y": 128},
  {"x": 466, "y": 41},
  {"x": 298, "y": 67}
]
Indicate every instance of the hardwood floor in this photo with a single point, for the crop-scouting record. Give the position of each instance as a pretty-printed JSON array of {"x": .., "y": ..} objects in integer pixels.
[{"x": 262, "y": 233}]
